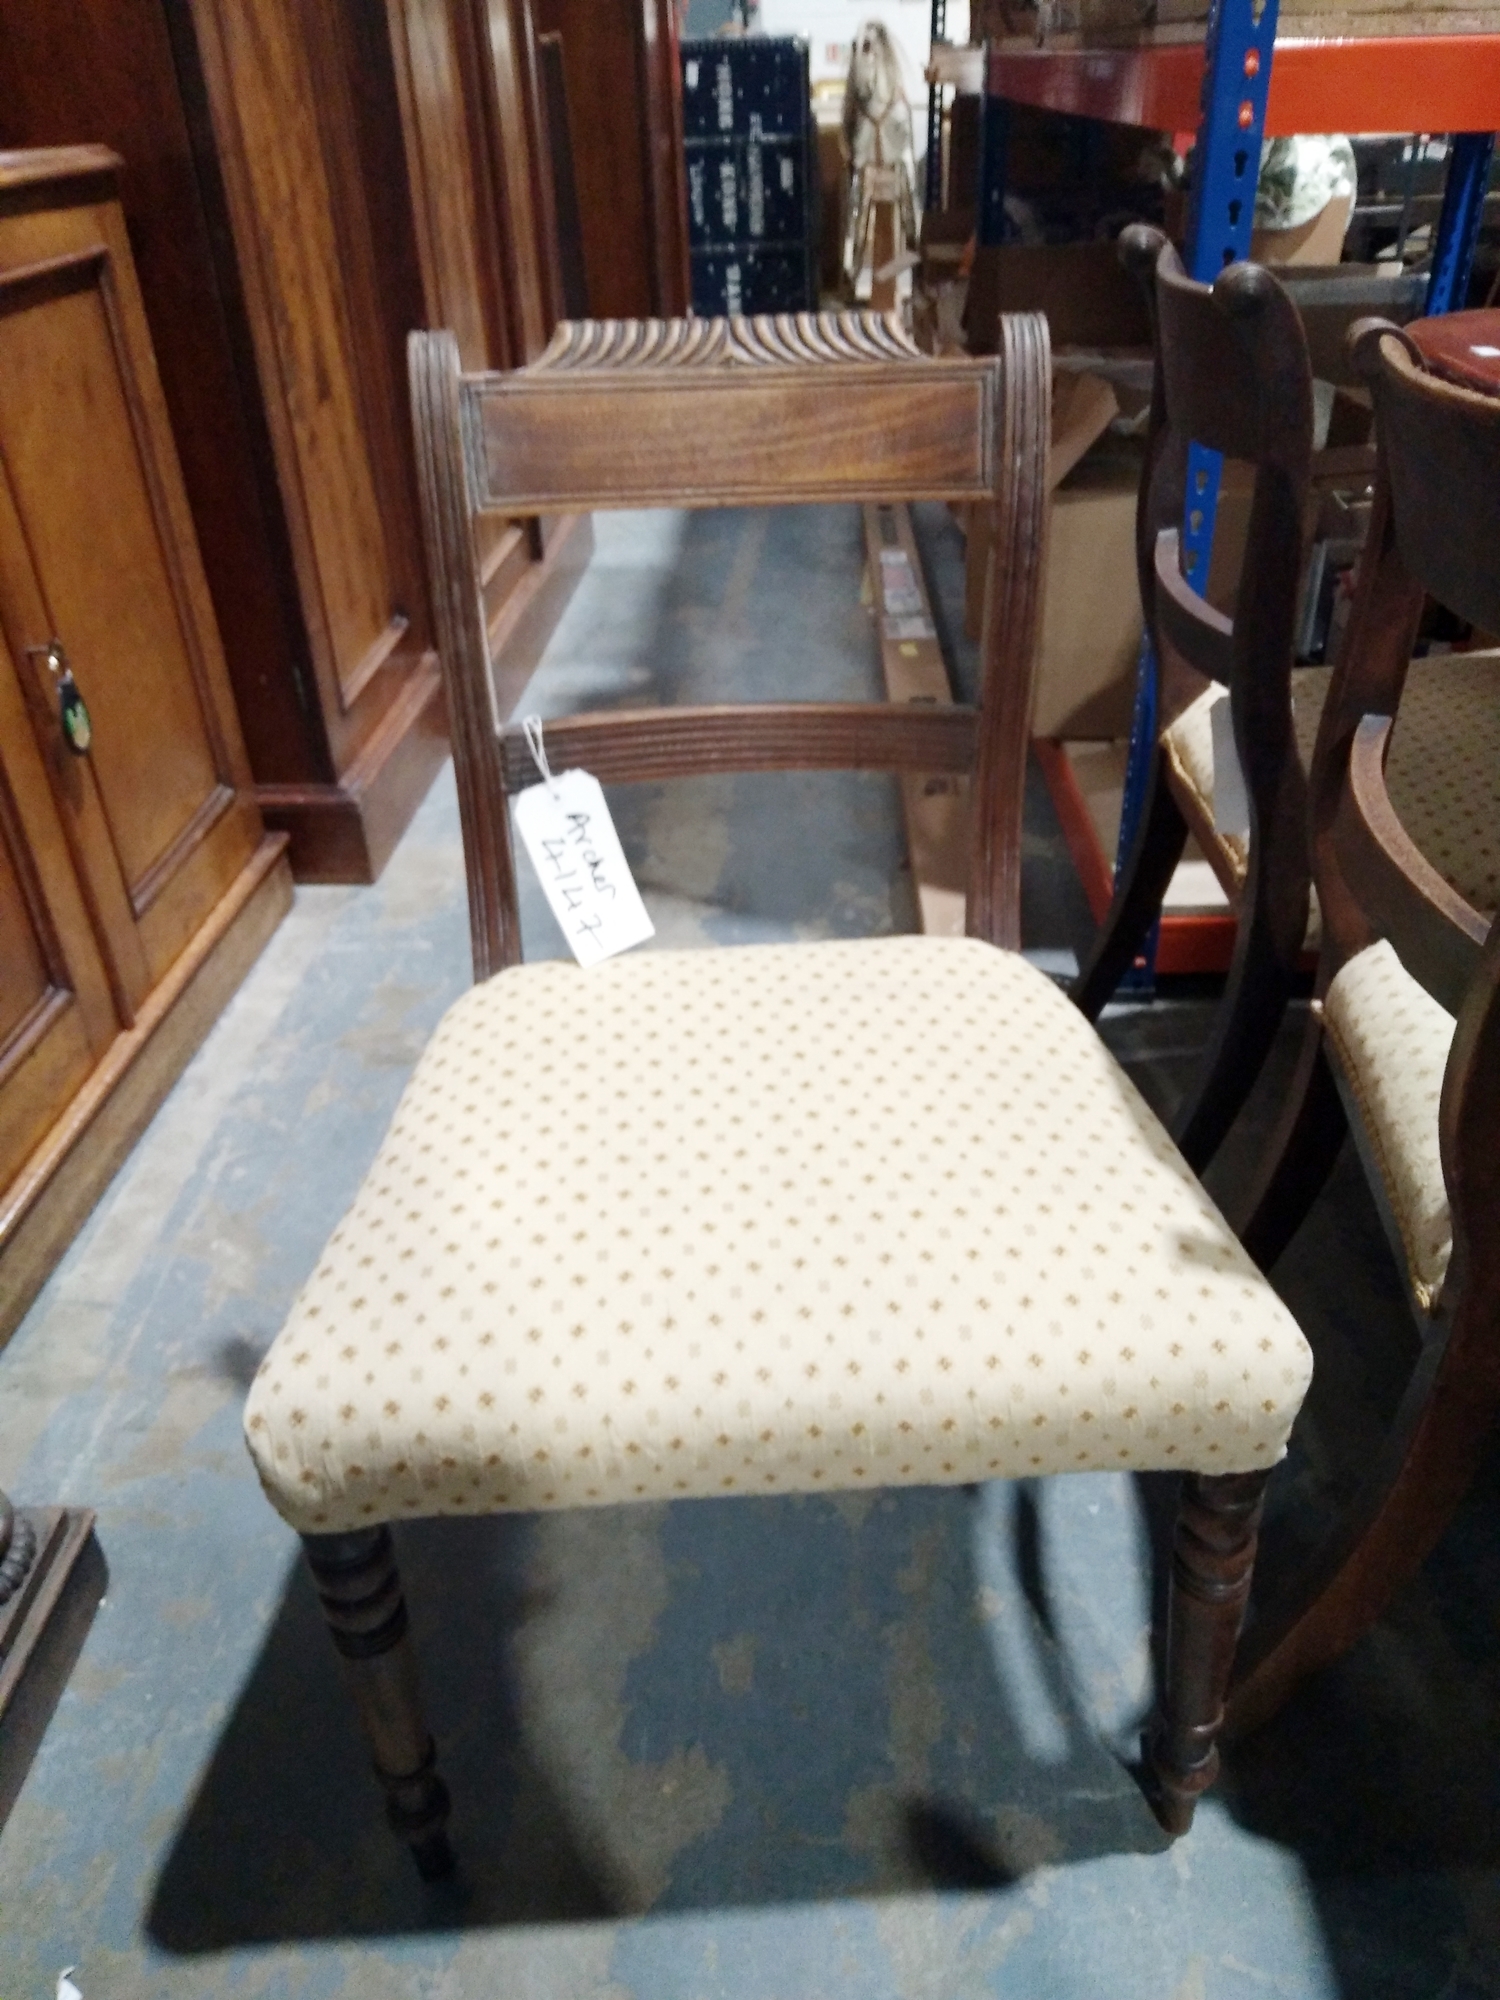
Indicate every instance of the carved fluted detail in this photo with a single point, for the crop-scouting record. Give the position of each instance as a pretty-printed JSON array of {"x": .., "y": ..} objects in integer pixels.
[
  {"x": 17, "y": 1549},
  {"x": 764, "y": 340},
  {"x": 653, "y": 744}
]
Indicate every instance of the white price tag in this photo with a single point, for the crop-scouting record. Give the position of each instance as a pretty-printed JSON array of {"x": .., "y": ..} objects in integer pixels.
[
  {"x": 901, "y": 596},
  {"x": 1231, "y": 801},
  {"x": 571, "y": 838},
  {"x": 909, "y": 628}
]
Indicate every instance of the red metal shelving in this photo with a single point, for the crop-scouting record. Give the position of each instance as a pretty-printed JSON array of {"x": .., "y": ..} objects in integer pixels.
[{"x": 1393, "y": 83}]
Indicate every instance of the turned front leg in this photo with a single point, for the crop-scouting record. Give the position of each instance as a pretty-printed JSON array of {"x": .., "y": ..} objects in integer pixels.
[
  {"x": 1213, "y": 1554},
  {"x": 361, "y": 1596}
]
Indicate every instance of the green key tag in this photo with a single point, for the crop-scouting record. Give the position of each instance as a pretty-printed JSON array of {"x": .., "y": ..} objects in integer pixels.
[{"x": 78, "y": 731}]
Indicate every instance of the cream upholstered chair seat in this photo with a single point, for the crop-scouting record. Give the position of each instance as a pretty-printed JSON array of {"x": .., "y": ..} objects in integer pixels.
[
  {"x": 773, "y": 1219},
  {"x": 1391, "y": 1040},
  {"x": 1443, "y": 776}
]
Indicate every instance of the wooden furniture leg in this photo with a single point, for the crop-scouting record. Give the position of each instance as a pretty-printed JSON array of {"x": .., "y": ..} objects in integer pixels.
[
  {"x": 1424, "y": 1470},
  {"x": 360, "y": 1591},
  {"x": 1213, "y": 1554},
  {"x": 52, "y": 1580},
  {"x": 1299, "y": 1157},
  {"x": 1138, "y": 896}
]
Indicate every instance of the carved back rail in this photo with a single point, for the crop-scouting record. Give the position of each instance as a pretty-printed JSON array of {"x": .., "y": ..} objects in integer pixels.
[{"x": 716, "y": 413}]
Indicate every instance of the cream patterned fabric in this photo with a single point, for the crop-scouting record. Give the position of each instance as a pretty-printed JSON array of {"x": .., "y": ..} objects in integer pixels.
[
  {"x": 1392, "y": 1041},
  {"x": 1189, "y": 747},
  {"x": 1443, "y": 776},
  {"x": 770, "y": 1219},
  {"x": 1444, "y": 771}
]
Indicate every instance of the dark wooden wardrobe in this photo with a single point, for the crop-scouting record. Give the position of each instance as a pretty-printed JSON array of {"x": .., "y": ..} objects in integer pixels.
[
  {"x": 620, "y": 61},
  {"x": 304, "y": 181}
]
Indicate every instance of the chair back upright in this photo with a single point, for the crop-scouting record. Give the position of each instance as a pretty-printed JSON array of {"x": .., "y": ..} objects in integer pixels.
[
  {"x": 1435, "y": 527},
  {"x": 741, "y": 412},
  {"x": 1442, "y": 451},
  {"x": 1232, "y": 374}
]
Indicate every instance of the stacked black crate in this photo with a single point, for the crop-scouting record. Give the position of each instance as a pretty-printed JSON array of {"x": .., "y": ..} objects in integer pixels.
[{"x": 751, "y": 220}]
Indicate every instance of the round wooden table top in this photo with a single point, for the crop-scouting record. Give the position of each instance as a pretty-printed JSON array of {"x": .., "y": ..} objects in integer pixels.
[{"x": 1463, "y": 348}]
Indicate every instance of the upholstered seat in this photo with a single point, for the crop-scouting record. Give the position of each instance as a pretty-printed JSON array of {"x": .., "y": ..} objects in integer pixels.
[
  {"x": 1392, "y": 1039},
  {"x": 782, "y": 1218},
  {"x": 1443, "y": 777},
  {"x": 1188, "y": 746}
]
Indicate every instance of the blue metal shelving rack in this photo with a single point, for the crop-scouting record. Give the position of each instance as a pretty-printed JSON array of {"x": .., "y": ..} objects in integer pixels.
[
  {"x": 1231, "y": 124},
  {"x": 1239, "y": 47}
]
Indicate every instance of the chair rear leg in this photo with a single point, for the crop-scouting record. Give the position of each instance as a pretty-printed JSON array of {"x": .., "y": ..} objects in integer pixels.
[
  {"x": 1142, "y": 885},
  {"x": 1298, "y": 1158},
  {"x": 1388, "y": 1531},
  {"x": 361, "y": 1597},
  {"x": 1213, "y": 1554}
]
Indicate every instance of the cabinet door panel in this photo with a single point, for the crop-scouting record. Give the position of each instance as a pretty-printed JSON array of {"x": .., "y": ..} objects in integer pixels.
[
  {"x": 267, "y": 114},
  {"x": 24, "y": 977},
  {"x": 85, "y": 502},
  {"x": 96, "y": 550},
  {"x": 56, "y": 1013}
]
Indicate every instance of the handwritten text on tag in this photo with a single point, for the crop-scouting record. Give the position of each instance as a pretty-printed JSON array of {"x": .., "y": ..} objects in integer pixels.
[{"x": 568, "y": 832}]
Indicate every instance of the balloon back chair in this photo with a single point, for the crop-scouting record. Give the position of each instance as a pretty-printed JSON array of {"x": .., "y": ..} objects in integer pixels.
[
  {"x": 1232, "y": 373},
  {"x": 1404, "y": 1041},
  {"x": 777, "y": 1219}
]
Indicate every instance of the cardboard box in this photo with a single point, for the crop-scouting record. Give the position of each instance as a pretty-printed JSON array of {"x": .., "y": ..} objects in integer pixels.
[
  {"x": 1091, "y": 609},
  {"x": 1091, "y": 606},
  {"x": 745, "y": 191},
  {"x": 754, "y": 278},
  {"x": 1088, "y": 296}
]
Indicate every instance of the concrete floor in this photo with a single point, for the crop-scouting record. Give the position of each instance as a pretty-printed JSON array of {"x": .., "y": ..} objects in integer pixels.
[{"x": 756, "y": 1748}]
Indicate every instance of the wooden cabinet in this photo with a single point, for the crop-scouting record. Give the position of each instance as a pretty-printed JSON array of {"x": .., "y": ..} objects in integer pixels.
[
  {"x": 57, "y": 1014},
  {"x": 625, "y": 97},
  {"x": 305, "y": 181},
  {"x": 135, "y": 875}
]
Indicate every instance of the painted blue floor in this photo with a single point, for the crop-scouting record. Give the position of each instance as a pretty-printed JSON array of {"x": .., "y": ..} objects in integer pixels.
[{"x": 775, "y": 1748}]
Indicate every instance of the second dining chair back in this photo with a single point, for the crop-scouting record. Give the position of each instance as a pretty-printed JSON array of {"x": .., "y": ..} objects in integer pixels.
[{"x": 1232, "y": 374}]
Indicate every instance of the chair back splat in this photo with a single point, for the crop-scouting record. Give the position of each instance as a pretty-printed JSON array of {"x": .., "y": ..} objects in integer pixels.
[
  {"x": 742, "y": 412},
  {"x": 1443, "y": 443},
  {"x": 1232, "y": 374}
]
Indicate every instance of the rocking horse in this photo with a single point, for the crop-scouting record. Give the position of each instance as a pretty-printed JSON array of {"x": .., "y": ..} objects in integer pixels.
[{"x": 878, "y": 252}]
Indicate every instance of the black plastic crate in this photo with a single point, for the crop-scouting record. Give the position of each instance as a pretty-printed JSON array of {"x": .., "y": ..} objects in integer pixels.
[
  {"x": 747, "y": 191},
  {"x": 765, "y": 278},
  {"x": 750, "y": 88}
]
